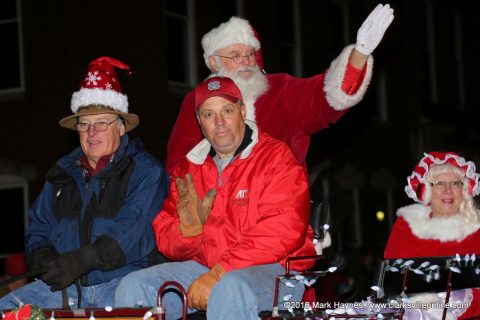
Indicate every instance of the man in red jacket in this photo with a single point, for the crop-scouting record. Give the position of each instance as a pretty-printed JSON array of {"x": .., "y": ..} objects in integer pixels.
[
  {"x": 238, "y": 207},
  {"x": 287, "y": 108}
]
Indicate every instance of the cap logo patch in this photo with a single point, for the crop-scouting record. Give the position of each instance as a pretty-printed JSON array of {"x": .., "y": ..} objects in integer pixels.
[{"x": 214, "y": 85}]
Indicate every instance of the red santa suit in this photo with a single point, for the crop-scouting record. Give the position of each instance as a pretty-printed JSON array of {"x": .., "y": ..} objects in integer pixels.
[
  {"x": 291, "y": 110},
  {"x": 417, "y": 234}
]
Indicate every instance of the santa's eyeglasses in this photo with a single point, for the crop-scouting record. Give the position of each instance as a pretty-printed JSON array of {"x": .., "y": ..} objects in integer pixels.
[{"x": 238, "y": 58}]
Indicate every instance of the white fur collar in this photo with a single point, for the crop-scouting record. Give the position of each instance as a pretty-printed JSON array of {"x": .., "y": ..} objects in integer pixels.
[
  {"x": 443, "y": 229},
  {"x": 336, "y": 97},
  {"x": 250, "y": 107}
]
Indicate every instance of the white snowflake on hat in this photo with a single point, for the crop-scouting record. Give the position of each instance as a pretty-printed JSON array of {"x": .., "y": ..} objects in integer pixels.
[
  {"x": 92, "y": 78},
  {"x": 100, "y": 86}
]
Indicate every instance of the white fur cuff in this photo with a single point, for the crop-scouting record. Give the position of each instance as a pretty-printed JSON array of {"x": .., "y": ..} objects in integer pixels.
[{"x": 336, "y": 97}]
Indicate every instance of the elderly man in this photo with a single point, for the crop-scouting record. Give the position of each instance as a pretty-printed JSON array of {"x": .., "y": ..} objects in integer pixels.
[
  {"x": 238, "y": 207},
  {"x": 91, "y": 224},
  {"x": 287, "y": 108}
]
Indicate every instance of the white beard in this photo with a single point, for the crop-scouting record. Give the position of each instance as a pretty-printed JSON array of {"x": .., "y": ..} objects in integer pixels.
[{"x": 251, "y": 88}]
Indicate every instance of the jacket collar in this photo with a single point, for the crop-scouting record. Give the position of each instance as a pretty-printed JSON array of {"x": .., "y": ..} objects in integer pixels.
[
  {"x": 443, "y": 229},
  {"x": 200, "y": 152}
]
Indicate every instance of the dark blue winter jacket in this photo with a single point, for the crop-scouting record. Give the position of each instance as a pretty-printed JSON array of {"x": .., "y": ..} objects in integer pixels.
[{"x": 114, "y": 211}]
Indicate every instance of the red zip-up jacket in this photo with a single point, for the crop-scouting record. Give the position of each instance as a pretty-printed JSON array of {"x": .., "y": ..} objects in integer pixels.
[{"x": 260, "y": 214}]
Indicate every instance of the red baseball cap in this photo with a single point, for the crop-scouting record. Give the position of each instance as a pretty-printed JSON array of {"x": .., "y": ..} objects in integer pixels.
[{"x": 217, "y": 87}]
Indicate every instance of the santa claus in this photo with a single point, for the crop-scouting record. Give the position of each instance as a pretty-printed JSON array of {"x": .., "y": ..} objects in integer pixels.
[{"x": 287, "y": 108}]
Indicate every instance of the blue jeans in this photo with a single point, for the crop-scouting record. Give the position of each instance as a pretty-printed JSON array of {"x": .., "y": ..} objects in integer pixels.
[
  {"x": 39, "y": 294},
  {"x": 240, "y": 294}
]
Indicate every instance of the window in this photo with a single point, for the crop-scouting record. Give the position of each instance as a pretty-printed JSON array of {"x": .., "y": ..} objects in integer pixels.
[
  {"x": 445, "y": 58},
  {"x": 11, "y": 63},
  {"x": 181, "y": 66},
  {"x": 288, "y": 35}
]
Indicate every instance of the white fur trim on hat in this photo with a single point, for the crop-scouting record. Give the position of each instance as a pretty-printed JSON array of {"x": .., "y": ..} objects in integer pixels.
[
  {"x": 427, "y": 192},
  {"x": 236, "y": 30},
  {"x": 336, "y": 97},
  {"x": 110, "y": 98}
]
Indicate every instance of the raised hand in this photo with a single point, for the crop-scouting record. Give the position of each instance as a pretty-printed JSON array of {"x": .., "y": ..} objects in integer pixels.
[
  {"x": 192, "y": 211},
  {"x": 373, "y": 28}
]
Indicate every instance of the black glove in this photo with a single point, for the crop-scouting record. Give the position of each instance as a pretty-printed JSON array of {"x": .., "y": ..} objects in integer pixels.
[
  {"x": 70, "y": 266},
  {"x": 41, "y": 257}
]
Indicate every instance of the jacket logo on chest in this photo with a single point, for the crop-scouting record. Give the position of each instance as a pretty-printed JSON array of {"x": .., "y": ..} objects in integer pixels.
[
  {"x": 241, "y": 193},
  {"x": 241, "y": 198}
]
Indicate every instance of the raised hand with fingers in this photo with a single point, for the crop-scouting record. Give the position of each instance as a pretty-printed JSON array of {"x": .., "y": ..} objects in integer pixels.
[
  {"x": 192, "y": 211},
  {"x": 373, "y": 28}
]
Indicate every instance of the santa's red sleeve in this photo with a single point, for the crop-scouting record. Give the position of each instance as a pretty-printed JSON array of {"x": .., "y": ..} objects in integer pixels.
[
  {"x": 353, "y": 79},
  {"x": 185, "y": 134}
]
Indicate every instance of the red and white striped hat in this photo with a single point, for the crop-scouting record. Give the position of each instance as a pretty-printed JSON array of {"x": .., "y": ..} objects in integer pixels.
[{"x": 416, "y": 188}]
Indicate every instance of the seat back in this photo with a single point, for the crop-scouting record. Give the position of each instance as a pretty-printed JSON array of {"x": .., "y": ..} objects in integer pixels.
[{"x": 320, "y": 218}]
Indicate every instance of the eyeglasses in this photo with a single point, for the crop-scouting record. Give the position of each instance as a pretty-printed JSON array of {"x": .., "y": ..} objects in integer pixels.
[
  {"x": 444, "y": 184},
  {"x": 98, "y": 126},
  {"x": 238, "y": 58}
]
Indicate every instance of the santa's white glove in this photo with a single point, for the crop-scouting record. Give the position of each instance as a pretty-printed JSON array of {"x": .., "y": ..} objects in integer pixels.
[{"x": 371, "y": 32}]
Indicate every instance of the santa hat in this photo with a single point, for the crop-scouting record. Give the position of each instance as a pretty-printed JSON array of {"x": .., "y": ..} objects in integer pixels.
[
  {"x": 234, "y": 31},
  {"x": 217, "y": 87},
  {"x": 418, "y": 188},
  {"x": 100, "y": 92}
]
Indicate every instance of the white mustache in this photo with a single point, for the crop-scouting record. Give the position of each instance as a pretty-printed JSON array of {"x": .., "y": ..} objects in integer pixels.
[{"x": 247, "y": 68}]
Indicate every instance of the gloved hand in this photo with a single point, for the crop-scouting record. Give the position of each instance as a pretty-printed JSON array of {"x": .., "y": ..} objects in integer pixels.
[
  {"x": 371, "y": 32},
  {"x": 200, "y": 289},
  {"x": 41, "y": 257},
  {"x": 70, "y": 266},
  {"x": 192, "y": 212}
]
